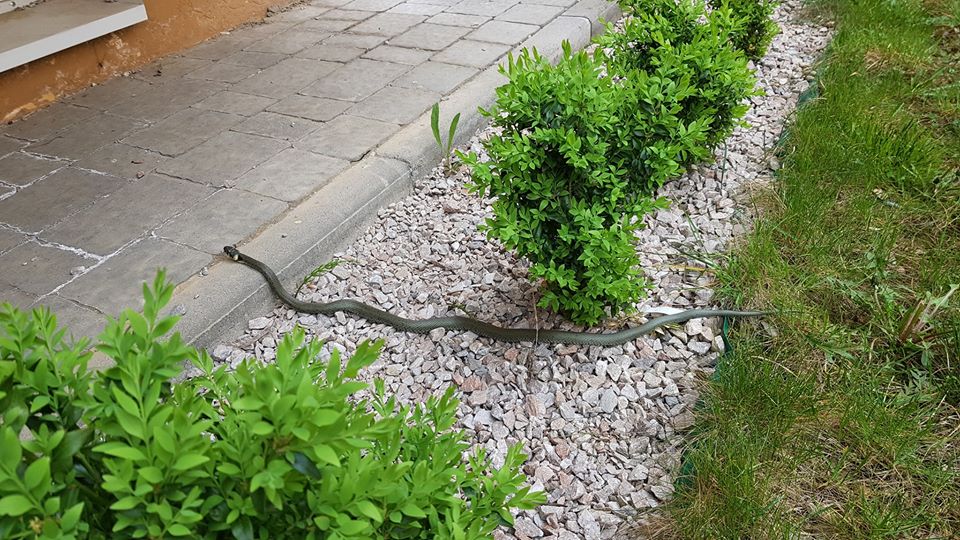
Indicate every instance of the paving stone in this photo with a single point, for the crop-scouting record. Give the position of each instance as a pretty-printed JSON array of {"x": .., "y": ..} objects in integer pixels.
[
  {"x": 9, "y": 145},
  {"x": 398, "y": 55},
  {"x": 6, "y": 191},
  {"x": 327, "y": 25},
  {"x": 103, "y": 96},
  {"x": 133, "y": 210},
  {"x": 219, "y": 71},
  {"x": 490, "y": 8},
  {"x": 331, "y": 53},
  {"x": 122, "y": 160},
  {"x": 277, "y": 126},
  {"x": 79, "y": 321},
  {"x": 285, "y": 78},
  {"x": 253, "y": 58},
  {"x": 55, "y": 198},
  {"x": 264, "y": 29},
  {"x": 160, "y": 101},
  {"x": 360, "y": 41},
  {"x": 388, "y": 24},
  {"x": 182, "y": 131},
  {"x": 10, "y": 239},
  {"x": 16, "y": 297},
  {"x": 356, "y": 80},
  {"x": 217, "y": 48},
  {"x": 223, "y": 158},
  {"x": 396, "y": 105},
  {"x": 170, "y": 68},
  {"x": 330, "y": 3},
  {"x": 78, "y": 141},
  {"x": 348, "y": 14},
  {"x": 291, "y": 174},
  {"x": 508, "y": 33},
  {"x": 530, "y": 14},
  {"x": 563, "y": 3},
  {"x": 348, "y": 137},
  {"x": 227, "y": 217},
  {"x": 436, "y": 77},
  {"x": 445, "y": 3},
  {"x": 458, "y": 19},
  {"x": 38, "y": 269},
  {"x": 432, "y": 37},
  {"x": 45, "y": 123},
  {"x": 298, "y": 13},
  {"x": 116, "y": 284},
  {"x": 478, "y": 54},
  {"x": 371, "y": 5},
  {"x": 290, "y": 42},
  {"x": 416, "y": 9},
  {"x": 313, "y": 108},
  {"x": 235, "y": 103},
  {"x": 21, "y": 169}
]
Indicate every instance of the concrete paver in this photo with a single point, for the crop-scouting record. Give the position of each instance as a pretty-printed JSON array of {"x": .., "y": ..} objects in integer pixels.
[{"x": 286, "y": 136}]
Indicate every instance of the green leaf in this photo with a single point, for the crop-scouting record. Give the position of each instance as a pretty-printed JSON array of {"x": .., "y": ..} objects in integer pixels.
[
  {"x": 152, "y": 475},
  {"x": 326, "y": 454},
  {"x": 261, "y": 428},
  {"x": 247, "y": 403},
  {"x": 120, "y": 450},
  {"x": 178, "y": 530},
  {"x": 71, "y": 517},
  {"x": 126, "y": 503},
  {"x": 37, "y": 475},
  {"x": 189, "y": 461},
  {"x": 413, "y": 510},
  {"x": 15, "y": 505},
  {"x": 368, "y": 509}
]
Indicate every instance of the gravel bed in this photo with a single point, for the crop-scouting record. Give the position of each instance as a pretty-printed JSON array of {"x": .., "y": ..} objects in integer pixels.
[{"x": 600, "y": 424}]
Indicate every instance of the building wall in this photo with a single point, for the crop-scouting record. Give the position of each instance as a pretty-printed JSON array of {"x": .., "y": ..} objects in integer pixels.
[{"x": 173, "y": 25}]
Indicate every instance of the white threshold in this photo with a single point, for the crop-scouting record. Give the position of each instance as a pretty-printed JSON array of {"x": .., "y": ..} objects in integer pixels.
[{"x": 54, "y": 25}]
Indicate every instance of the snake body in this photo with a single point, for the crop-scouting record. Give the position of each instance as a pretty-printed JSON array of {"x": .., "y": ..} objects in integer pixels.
[{"x": 456, "y": 322}]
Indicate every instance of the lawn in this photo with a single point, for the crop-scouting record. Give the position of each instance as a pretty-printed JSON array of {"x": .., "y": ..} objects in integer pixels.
[{"x": 838, "y": 418}]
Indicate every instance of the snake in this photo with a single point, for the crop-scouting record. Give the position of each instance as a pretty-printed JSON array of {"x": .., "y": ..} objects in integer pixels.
[{"x": 478, "y": 327}]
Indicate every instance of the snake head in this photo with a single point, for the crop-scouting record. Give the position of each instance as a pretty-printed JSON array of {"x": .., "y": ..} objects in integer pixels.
[{"x": 232, "y": 252}]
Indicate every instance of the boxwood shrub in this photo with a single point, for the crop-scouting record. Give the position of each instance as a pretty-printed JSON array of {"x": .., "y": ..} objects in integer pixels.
[{"x": 280, "y": 451}]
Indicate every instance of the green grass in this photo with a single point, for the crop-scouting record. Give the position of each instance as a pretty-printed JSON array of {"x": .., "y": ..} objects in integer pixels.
[{"x": 843, "y": 422}]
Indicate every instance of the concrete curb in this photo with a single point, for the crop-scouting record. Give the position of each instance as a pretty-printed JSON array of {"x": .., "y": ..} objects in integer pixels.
[{"x": 219, "y": 304}]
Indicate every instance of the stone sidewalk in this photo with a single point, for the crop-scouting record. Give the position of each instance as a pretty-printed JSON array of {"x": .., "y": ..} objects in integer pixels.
[{"x": 283, "y": 137}]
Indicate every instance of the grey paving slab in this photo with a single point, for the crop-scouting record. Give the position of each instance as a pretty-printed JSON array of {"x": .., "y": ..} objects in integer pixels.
[
  {"x": 10, "y": 239},
  {"x": 103, "y": 96},
  {"x": 348, "y": 137},
  {"x": 531, "y": 14},
  {"x": 285, "y": 78},
  {"x": 371, "y": 5},
  {"x": 21, "y": 169},
  {"x": 85, "y": 137},
  {"x": 490, "y": 8},
  {"x": 218, "y": 47},
  {"x": 563, "y": 3},
  {"x": 6, "y": 190},
  {"x": 122, "y": 160},
  {"x": 116, "y": 283},
  {"x": 182, "y": 131},
  {"x": 331, "y": 53},
  {"x": 227, "y": 217},
  {"x": 458, "y": 19},
  {"x": 223, "y": 158},
  {"x": 395, "y": 104},
  {"x": 289, "y": 42},
  {"x": 79, "y": 321},
  {"x": 253, "y": 58},
  {"x": 56, "y": 197},
  {"x": 277, "y": 126},
  {"x": 133, "y": 210},
  {"x": 46, "y": 122},
  {"x": 398, "y": 55},
  {"x": 348, "y": 14},
  {"x": 436, "y": 77},
  {"x": 160, "y": 101},
  {"x": 349, "y": 39},
  {"x": 432, "y": 37},
  {"x": 466, "y": 52},
  {"x": 236, "y": 103},
  {"x": 327, "y": 25},
  {"x": 291, "y": 175},
  {"x": 9, "y": 145},
  {"x": 310, "y": 107},
  {"x": 508, "y": 33},
  {"x": 299, "y": 13},
  {"x": 269, "y": 27},
  {"x": 223, "y": 72},
  {"x": 388, "y": 24},
  {"x": 357, "y": 80},
  {"x": 38, "y": 269},
  {"x": 416, "y": 9},
  {"x": 170, "y": 68},
  {"x": 17, "y": 298}
]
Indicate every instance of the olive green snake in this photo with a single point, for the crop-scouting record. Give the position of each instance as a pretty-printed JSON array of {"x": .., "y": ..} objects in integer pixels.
[{"x": 456, "y": 322}]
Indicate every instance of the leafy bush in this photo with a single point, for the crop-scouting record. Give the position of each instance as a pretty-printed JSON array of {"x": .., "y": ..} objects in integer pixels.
[
  {"x": 573, "y": 168},
  {"x": 286, "y": 450},
  {"x": 753, "y": 27},
  {"x": 682, "y": 41}
]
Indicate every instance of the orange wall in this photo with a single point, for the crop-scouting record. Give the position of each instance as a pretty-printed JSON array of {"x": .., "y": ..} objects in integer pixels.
[{"x": 173, "y": 25}]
